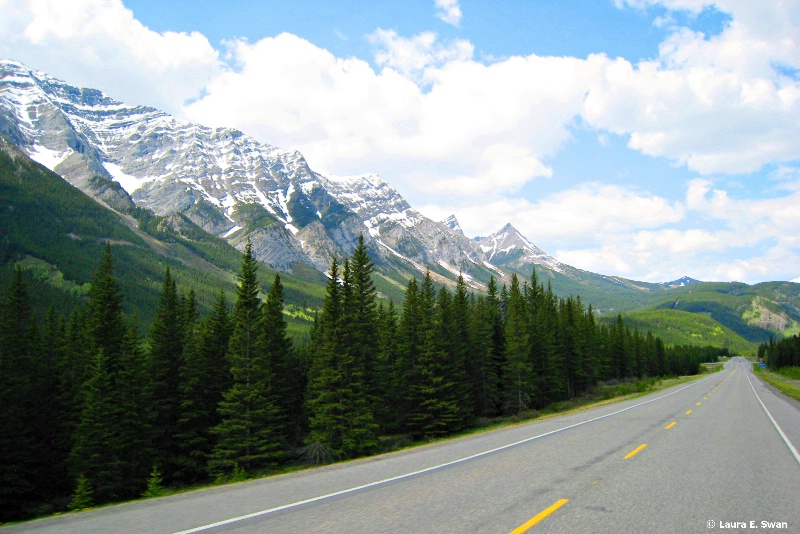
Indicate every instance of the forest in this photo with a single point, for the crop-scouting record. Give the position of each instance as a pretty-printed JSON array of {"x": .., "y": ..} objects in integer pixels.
[
  {"x": 780, "y": 354},
  {"x": 95, "y": 412}
]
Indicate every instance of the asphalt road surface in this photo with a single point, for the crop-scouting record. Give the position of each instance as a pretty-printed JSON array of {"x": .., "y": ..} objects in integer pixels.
[{"x": 718, "y": 454}]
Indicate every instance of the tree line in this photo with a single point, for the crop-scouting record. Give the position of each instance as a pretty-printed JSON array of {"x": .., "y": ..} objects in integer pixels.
[
  {"x": 95, "y": 412},
  {"x": 782, "y": 353}
]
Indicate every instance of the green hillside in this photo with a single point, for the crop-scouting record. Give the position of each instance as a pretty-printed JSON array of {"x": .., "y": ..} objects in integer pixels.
[
  {"x": 757, "y": 313},
  {"x": 678, "y": 327},
  {"x": 57, "y": 234}
]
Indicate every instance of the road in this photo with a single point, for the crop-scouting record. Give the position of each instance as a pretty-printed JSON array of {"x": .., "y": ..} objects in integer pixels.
[{"x": 720, "y": 449}]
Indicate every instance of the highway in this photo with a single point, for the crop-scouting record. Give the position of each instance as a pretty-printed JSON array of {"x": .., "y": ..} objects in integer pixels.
[{"x": 718, "y": 454}]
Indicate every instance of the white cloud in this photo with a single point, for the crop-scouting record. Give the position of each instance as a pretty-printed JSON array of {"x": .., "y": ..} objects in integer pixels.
[
  {"x": 98, "y": 43},
  {"x": 448, "y": 11},
  {"x": 431, "y": 116},
  {"x": 717, "y": 104},
  {"x": 461, "y": 135}
]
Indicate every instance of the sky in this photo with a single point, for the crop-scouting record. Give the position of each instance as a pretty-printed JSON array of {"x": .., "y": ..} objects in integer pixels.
[{"x": 648, "y": 139}]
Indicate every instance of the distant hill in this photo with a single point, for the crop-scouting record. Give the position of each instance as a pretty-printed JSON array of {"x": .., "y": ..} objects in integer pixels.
[{"x": 677, "y": 327}]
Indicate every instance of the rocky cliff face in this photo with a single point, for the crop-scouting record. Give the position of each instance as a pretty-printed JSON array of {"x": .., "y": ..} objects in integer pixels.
[{"x": 224, "y": 181}]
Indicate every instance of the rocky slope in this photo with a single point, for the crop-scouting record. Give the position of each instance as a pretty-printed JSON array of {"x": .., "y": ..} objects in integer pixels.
[{"x": 223, "y": 180}]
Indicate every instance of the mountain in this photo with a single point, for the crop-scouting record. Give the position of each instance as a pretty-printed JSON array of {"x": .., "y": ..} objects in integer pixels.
[
  {"x": 681, "y": 282},
  {"x": 509, "y": 248},
  {"x": 56, "y": 234},
  {"x": 192, "y": 193},
  {"x": 224, "y": 181}
]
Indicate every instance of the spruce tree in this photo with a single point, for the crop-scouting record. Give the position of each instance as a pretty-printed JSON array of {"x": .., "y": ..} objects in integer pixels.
[
  {"x": 166, "y": 348},
  {"x": 250, "y": 432},
  {"x": 98, "y": 449},
  {"x": 340, "y": 409},
  {"x": 105, "y": 320},
  {"x": 288, "y": 384},
  {"x": 205, "y": 376},
  {"x": 17, "y": 487},
  {"x": 517, "y": 372}
]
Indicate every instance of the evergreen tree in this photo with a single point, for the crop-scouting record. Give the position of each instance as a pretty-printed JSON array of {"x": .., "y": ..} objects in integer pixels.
[
  {"x": 205, "y": 376},
  {"x": 340, "y": 409},
  {"x": 288, "y": 384},
  {"x": 410, "y": 338},
  {"x": 105, "y": 320},
  {"x": 250, "y": 433},
  {"x": 517, "y": 373},
  {"x": 166, "y": 348},
  {"x": 107, "y": 444},
  {"x": 17, "y": 487},
  {"x": 361, "y": 319},
  {"x": 388, "y": 412},
  {"x": 98, "y": 450},
  {"x": 432, "y": 391}
]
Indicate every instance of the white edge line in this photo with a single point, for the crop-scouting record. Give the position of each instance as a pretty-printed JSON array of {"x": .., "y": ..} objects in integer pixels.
[
  {"x": 774, "y": 423},
  {"x": 433, "y": 468}
]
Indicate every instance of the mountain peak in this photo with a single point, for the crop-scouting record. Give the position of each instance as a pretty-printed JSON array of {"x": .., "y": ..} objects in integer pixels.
[
  {"x": 509, "y": 248},
  {"x": 681, "y": 282},
  {"x": 452, "y": 223}
]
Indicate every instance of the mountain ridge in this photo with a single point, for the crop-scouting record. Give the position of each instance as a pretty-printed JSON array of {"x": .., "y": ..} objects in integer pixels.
[{"x": 228, "y": 184}]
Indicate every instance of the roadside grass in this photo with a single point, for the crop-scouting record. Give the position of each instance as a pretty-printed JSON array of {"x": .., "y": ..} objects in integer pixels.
[
  {"x": 604, "y": 394},
  {"x": 786, "y": 380}
]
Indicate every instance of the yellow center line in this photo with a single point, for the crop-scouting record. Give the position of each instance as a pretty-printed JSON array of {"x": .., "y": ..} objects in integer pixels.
[
  {"x": 538, "y": 517},
  {"x": 671, "y": 425},
  {"x": 635, "y": 451},
  {"x": 688, "y": 412},
  {"x": 698, "y": 404}
]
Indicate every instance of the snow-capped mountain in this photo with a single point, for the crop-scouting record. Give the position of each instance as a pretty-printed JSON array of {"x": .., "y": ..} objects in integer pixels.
[
  {"x": 452, "y": 223},
  {"x": 223, "y": 180},
  {"x": 509, "y": 248},
  {"x": 681, "y": 282}
]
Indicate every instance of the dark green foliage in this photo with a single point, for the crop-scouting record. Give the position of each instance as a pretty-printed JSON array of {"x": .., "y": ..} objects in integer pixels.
[
  {"x": 83, "y": 497},
  {"x": 780, "y": 354},
  {"x": 340, "y": 408},
  {"x": 204, "y": 377},
  {"x": 288, "y": 379},
  {"x": 167, "y": 338},
  {"x": 16, "y": 435},
  {"x": 92, "y": 410},
  {"x": 251, "y": 432}
]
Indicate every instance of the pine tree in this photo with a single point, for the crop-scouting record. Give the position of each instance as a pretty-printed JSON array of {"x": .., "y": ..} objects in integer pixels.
[
  {"x": 341, "y": 419},
  {"x": 361, "y": 319},
  {"x": 108, "y": 442},
  {"x": 166, "y": 349},
  {"x": 105, "y": 319},
  {"x": 288, "y": 384},
  {"x": 387, "y": 413},
  {"x": 410, "y": 338},
  {"x": 517, "y": 373},
  {"x": 98, "y": 450},
  {"x": 16, "y": 437},
  {"x": 250, "y": 433},
  {"x": 202, "y": 383}
]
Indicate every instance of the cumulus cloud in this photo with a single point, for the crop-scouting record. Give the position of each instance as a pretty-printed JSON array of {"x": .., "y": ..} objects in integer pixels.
[
  {"x": 454, "y": 133},
  {"x": 98, "y": 43},
  {"x": 726, "y": 103},
  {"x": 448, "y": 11},
  {"x": 430, "y": 116}
]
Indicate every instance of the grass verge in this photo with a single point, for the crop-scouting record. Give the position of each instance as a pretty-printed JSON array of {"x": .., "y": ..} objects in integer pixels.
[{"x": 783, "y": 381}]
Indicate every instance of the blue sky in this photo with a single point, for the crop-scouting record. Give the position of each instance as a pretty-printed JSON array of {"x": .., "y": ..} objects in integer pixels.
[{"x": 648, "y": 139}]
